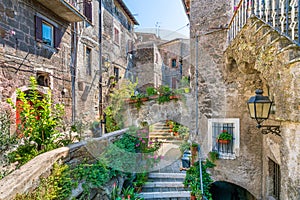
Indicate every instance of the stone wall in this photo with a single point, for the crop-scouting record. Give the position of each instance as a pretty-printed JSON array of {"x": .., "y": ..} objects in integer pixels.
[
  {"x": 222, "y": 96},
  {"x": 21, "y": 56},
  {"x": 257, "y": 58},
  {"x": 27, "y": 178},
  {"x": 272, "y": 62}
]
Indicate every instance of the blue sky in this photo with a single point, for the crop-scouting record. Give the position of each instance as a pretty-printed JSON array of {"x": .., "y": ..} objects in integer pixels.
[{"x": 169, "y": 14}]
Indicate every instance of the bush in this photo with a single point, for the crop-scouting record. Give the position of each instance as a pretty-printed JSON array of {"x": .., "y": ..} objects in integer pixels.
[{"x": 40, "y": 123}]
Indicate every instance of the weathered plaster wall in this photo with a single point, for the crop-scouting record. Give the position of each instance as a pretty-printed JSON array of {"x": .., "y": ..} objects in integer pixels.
[{"x": 261, "y": 53}]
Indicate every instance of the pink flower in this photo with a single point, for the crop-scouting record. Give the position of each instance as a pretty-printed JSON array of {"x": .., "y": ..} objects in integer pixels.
[
  {"x": 150, "y": 142},
  {"x": 143, "y": 142},
  {"x": 137, "y": 145},
  {"x": 114, "y": 185},
  {"x": 140, "y": 138},
  {"x": 139, "y": 134}
]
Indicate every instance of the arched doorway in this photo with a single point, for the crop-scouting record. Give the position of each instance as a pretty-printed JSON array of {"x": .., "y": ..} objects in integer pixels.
[{"x": 222, "y": 190}]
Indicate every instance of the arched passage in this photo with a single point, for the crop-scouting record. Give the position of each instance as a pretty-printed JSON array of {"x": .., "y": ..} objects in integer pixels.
[
  {"x": 222, "y": 190},
  {"x": 181, "y": 111}
]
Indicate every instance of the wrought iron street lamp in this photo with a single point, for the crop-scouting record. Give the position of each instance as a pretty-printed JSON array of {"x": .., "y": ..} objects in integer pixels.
[{"x": 259, "y": 108}]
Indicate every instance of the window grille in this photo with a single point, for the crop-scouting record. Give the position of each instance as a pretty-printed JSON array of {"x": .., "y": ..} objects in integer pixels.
[
  {"x": 275, "y": 177},
  {"x": 217, "y": 129}
]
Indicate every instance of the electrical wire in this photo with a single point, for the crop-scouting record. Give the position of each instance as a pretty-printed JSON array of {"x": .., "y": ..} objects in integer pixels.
[{"x": 176, "y": 30}]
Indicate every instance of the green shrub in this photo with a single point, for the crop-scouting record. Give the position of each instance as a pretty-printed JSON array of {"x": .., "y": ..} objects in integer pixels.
[{"x": 40, "y": 123}]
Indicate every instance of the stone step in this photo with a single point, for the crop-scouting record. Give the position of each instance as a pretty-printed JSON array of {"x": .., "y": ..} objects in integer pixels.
[
  {"x": 160, "y": 133},
  {"x": 167, "y": 175},
  {"x": 165, "y": 137},
  {"x": 160, "y": 130},
  {"x": 163, "y": 195},
  {"x": 163, "y": 184},
  {"x": 178, "y": 142}
]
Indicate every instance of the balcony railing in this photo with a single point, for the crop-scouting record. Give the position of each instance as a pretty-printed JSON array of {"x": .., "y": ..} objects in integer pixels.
[
  {"x": 66, "y": 9},
  {"x": 282, "y": 15}
]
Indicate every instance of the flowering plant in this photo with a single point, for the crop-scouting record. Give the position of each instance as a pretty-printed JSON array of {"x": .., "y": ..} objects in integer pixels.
[{"x": 225, "y": 135}]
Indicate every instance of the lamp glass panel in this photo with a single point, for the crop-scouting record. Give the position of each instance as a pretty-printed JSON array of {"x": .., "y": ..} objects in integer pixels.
[
  {"x": 251, "y": 110},
  {"x": 262, "y": 110}
]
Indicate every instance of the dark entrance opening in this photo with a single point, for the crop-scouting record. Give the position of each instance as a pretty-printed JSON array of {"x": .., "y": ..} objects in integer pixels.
[{"x": 222, "y": 190}]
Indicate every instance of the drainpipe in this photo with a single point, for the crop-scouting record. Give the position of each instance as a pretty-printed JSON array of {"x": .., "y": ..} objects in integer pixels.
[
  {"x": 100, "y": 68},
  {"x": 73, "y": 71},
  {"x": 197, "y": 113}
]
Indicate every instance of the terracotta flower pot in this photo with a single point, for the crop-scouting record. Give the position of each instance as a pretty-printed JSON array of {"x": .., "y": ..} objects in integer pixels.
[
  {"x": 174, "y": 97},
  {"x": 223, "y": 141},
  {"x": 144, "y": 99},
  {"x": 193, "y": 197}
]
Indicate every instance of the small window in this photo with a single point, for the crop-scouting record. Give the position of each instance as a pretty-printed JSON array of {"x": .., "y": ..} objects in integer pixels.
[
  {"x": 47, "y": 33},
  {"x": 43, "y": 79},
  {"x": 174, "y": 63},
  {"x": 174, "y": 82},
  {"x": 116, "y": 73},
  {"x": 88, "y": 11},
  {"x": 228, "y": 149},
  {"x": 116, "y": 36},
  {"x": 88, "y": 61}
]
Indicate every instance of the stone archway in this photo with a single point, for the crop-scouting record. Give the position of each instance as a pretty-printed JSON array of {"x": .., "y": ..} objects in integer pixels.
[
  {"x": 181, "y": 111},
  {"x": 222, "y": 190}
]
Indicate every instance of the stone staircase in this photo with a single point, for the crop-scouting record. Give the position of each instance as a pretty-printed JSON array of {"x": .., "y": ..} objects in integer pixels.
[
  {"x": 166, "y": 182},
  {"x": 163, "y": 186},
  {"x": 161, "y": 131}
]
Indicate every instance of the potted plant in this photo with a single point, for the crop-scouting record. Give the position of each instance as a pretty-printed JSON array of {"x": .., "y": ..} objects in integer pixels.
[
  {"x": 151, "y": 92},
  {"x": 183, "y": 132},
  {"x": 194, "y": 150},
  {"x": 213, "y": 155},
  {"x": 224, "y": 137},
  {"x": 175, "y": 129}
]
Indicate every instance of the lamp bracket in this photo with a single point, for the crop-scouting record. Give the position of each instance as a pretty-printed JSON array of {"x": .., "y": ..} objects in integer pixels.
[{"x": 269, "y": 129}]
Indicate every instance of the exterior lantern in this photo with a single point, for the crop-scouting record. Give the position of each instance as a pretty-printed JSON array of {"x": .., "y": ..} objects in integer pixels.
[{"x": 259, "y": 108}]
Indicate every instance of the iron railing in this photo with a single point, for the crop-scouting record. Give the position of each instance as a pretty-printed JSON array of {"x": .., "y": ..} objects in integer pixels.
[{"x": 282, "y": 15}]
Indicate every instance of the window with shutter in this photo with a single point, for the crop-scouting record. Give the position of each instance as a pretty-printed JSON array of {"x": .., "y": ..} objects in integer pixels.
[
  {"x": 47, "y": 33},
  {"x": 88, "y": 12},
  {"x": 116, "y": 36}
]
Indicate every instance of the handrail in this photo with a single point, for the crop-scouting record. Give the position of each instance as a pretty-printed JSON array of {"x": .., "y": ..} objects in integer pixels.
[
  {"x": 235, "y": 12},
  {"x": 282, "y": 15}
]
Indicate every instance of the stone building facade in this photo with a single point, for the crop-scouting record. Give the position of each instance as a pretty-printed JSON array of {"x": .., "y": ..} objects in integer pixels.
[
  {"x": 148, "y": 62},
  {"x": 36, "y": 40},
  {"x": 175, "y": 54},
  {"x": 159, "y": 62},
  {"x": 256, "y": 166},
  {"x": 58, "y": 43},
  {"x": 116, "y": 56}
]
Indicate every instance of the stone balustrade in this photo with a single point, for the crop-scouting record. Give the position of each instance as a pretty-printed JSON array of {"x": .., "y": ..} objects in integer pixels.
[
  {"x": 27, "y": 177},
  {"x": 282, "y": 15}
]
